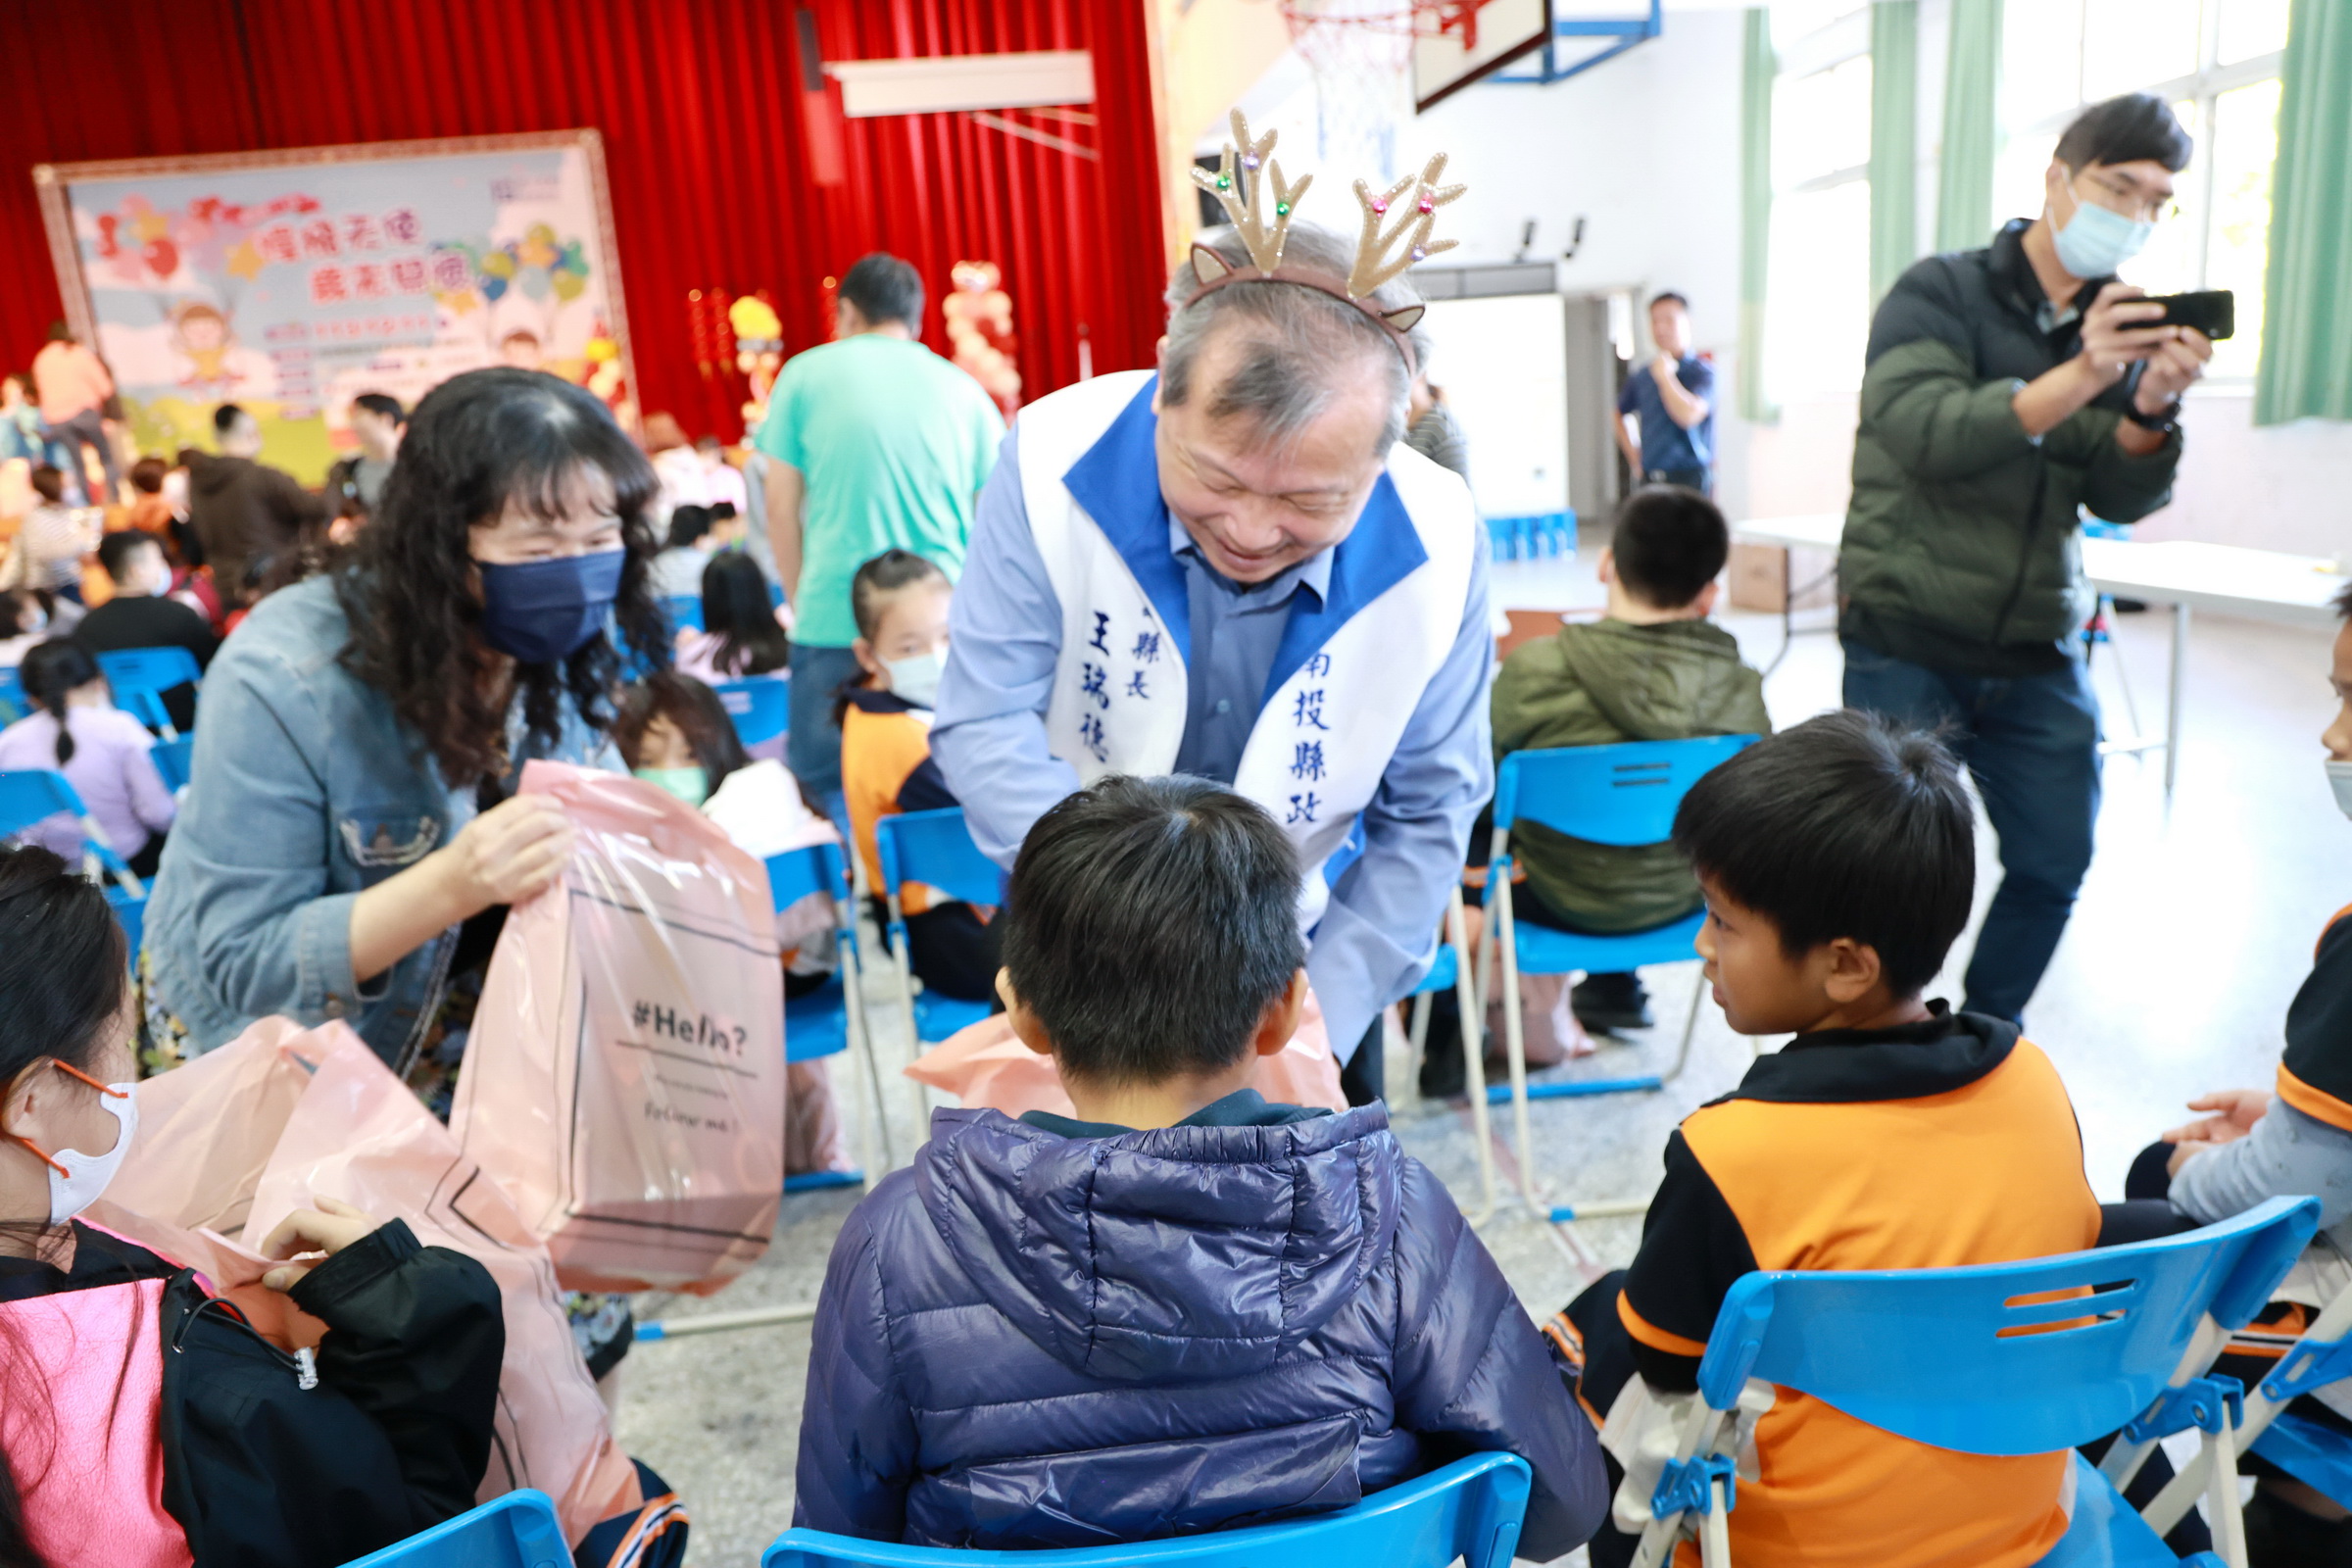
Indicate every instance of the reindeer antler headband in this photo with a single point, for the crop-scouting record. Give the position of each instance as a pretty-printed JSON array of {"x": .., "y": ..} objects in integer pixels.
[{"x": 1386, "y": 247}]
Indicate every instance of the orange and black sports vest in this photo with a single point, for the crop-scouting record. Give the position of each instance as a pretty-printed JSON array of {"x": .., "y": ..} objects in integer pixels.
[
  {"x": 2315, "y": 1076},
  {"x": 1931, "y": 1145},
  {"x": 886, "y": 767}
]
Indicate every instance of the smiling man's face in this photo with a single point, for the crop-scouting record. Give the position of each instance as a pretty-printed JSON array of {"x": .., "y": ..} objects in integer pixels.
[{"x": 1256, "y": 509}]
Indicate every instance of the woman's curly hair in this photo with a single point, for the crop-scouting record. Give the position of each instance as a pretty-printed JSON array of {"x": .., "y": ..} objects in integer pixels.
[{"x": 478, "y": 442}]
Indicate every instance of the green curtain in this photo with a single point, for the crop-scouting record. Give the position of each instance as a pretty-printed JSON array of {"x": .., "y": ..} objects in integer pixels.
[
  {"x": 1894, "y": 142},
  {"x": 1756, "y": 72},
  {"x": 1972, "y": 90},
  {"x": 2306, "y": 368}
]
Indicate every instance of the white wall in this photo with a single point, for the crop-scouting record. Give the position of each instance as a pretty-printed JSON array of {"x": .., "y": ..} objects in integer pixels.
[{"x": 1646, "y": 148}]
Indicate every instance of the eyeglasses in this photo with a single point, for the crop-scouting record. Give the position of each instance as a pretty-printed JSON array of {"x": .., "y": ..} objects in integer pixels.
[{"x": 2119, "y": 196}]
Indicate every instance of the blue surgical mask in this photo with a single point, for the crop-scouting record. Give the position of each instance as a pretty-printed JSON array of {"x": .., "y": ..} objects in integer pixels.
[
  {"x": 542, "y": 612},
  {"x": 915, "y": 679},
  {"x": 2096, "y": 242},
  {"x": 2339, "y": 781}
]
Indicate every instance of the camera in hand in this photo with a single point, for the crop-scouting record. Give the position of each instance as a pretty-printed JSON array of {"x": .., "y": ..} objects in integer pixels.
[{"x": 2211, "y": 310}]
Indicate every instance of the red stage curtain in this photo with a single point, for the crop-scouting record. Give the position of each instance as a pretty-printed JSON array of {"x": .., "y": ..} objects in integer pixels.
[{"x": 705, "y": 144}]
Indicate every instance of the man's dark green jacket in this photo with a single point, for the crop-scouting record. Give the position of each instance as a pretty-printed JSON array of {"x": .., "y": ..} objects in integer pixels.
[{"x": 1962, "y": 548}]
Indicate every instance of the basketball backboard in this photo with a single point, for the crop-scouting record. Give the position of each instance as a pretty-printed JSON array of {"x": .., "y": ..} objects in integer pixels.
[{"x": 1456, "y": 42}]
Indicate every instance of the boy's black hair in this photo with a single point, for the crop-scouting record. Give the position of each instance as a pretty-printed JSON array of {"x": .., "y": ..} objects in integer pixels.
[
  {"x": 49, "y": 483},
  {"x": 383, "y": 405},
  {"x": 1669, "y": 543},
  {"x": 2124, "y": 131},
  {"x": 1667, "y": 296},
  {"x": 115, "y": 549},
  {"x": 1150, "y": 923},
  {"x": 687, "y": 525},
  {"x": 884, "y": 289},
  {"x": 1847, "y": 825},
  {"x": 225, "y": 417},
  {"x": 147, "y": 475}
]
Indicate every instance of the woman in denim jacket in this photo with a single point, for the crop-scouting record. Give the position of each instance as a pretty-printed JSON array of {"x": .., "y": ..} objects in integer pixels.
[{"x": 348, "y": 811}]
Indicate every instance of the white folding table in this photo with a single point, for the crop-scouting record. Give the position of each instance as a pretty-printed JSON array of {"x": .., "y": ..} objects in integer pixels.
[{"x": 2185, "y": 574}]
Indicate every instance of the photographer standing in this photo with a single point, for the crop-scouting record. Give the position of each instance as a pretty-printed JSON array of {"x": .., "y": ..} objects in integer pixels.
[{"x": 2008, "y": 388}]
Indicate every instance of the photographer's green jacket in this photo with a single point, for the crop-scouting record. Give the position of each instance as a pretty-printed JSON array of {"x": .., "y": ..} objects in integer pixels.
[{"x": 1962, "y": 548}]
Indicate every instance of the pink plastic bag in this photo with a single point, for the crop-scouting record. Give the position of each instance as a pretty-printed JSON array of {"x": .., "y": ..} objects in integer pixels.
[
  {"x": 237, "y": 1139},
  {"x": 983, "y": 1064},
  {"x": 624, "y": 1079}
]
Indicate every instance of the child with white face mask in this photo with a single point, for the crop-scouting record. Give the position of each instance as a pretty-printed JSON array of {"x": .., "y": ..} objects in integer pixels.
[
  {"x": 900, "y": 602},
  {"x": 389, "y": 1415}
]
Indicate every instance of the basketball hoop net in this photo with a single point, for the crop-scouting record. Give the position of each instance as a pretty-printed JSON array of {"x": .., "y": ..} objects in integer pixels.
[{"x": 1362, "y": 54}]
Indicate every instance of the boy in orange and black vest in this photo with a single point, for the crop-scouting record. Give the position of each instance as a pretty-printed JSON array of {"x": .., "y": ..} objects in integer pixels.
[
  {"x": 900, "y": 602},
  {"x": 1837, "y": 860}
]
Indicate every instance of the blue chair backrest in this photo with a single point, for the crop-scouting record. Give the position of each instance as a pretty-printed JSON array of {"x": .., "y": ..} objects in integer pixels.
[
  {"x": 1983, "y": 1359},
  {"x": 30, "y": 796},
  {"x": 685, "y": 612},
  {"x": 149, "y": 669},
  {"x": 1470, "y": 1509},
  {"x": 1622, "y": 795},
  {"x": 176, "y": 760},
  {"x": 936, "y": 848},
  {"x": 762, "y": 708},
  {"x": 796, "y": 873},
  {"x": 519, "y": 1529},
  {"x": 12, "y": 689}
]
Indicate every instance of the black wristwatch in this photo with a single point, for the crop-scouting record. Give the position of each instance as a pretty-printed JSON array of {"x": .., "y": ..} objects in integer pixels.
[{"x": 2164, "y": 421}]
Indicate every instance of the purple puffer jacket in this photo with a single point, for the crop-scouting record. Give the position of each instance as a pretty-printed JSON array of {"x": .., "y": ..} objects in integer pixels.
[{"x": 1031, "y": 1340}]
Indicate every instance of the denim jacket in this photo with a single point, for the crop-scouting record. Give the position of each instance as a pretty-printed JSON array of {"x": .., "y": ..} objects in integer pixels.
[{"x": 306, "y": 789}]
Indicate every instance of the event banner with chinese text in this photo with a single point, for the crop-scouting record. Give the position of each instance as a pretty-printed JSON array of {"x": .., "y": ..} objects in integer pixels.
[{"x": 289, "y": 282}]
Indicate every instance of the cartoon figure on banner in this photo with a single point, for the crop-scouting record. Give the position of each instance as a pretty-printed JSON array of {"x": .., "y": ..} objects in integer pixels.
[
  {"x": 202, "y": 333},
  {"x": 759, "y": 351},
  {"x": 979, "y": 322}
]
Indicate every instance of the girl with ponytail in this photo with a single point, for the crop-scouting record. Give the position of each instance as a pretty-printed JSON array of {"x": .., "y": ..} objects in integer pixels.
[{"x": 76, "y": 729}]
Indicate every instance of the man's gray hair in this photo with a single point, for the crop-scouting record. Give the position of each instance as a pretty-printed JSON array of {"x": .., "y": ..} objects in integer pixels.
[{"x": 1303, "y": 349}]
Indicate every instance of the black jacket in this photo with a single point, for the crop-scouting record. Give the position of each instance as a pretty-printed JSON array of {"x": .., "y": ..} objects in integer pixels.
[
  {"x": 1962, "y": 550},
  {"x": 393, "y": 1438}
]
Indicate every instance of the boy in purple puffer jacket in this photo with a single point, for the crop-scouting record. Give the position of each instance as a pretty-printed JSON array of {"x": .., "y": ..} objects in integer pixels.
[{"x": 1189, "y": 1309}]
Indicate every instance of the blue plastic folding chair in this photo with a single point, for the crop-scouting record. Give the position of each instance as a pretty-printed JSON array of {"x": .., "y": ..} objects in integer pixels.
[
  {"x": 2004, "y": 1358},
  {"x": 685, "y": 612},
  {"x": 935, "y": 849},
  {"x": 762, "y": 708},
  {"x": 519, "y": 1529},
  {"x": 175, "y": 760},
  {"x": 1450, "y": 971},
  {"x": 830, "y": 1019},
  {"x": 35, "y": 795},
  {"x": 141, "y": 675},
  {"x": 1617, "y": 795},
  {"x": 12, "y": 692},
  {"x": 1471, "y": 1510},
  {"x": 2316, "y": 1454}
]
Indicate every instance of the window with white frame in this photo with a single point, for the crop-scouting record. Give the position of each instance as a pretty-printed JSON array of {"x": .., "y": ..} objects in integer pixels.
[
  {"x": 1816, "y": 295},
  {"x": 2218, "y": 62}
]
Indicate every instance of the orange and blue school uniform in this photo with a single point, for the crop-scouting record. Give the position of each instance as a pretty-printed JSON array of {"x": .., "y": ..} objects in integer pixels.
[{"x": 1933, "y": 1145}]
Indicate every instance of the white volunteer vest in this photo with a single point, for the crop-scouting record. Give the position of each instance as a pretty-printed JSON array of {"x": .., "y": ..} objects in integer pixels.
[{"x": 1348, "y": 677}]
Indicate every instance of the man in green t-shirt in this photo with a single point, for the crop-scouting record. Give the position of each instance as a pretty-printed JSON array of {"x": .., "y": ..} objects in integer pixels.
[{"x": 877, "y": 443}]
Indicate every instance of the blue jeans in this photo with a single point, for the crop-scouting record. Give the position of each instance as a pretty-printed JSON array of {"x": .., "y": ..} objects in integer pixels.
[
  {"x": 812, "y": 749},
  {"x": 2032, "y": 743}
]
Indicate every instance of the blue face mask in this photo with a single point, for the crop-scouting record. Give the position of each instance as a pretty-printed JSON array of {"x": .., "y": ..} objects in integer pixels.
[
  {"x": 2096, "y": 242},
  {"x": 542, "y": 612}
]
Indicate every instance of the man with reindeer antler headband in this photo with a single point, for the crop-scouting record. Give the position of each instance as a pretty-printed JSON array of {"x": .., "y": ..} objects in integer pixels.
[{"x": 1234, "y": 568}]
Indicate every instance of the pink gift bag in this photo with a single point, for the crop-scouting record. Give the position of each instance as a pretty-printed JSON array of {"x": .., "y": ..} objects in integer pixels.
[
  {"x": 983, "y": 1064},
  {"x": 624, "y": 1079},
  {"x": 234, "y": 1141}
]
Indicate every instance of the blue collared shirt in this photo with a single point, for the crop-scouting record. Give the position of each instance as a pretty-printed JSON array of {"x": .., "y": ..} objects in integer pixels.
[{"x": 1379, "y": 933}]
